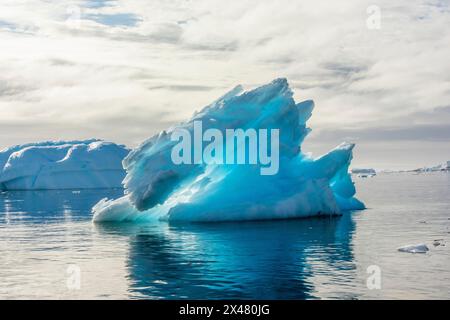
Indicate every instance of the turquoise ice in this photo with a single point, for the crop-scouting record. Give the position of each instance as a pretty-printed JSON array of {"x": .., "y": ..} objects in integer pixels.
[{"x": 156, "y": 188}]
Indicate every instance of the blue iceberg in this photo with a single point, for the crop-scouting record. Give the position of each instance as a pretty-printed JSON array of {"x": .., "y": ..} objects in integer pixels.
[{"x": 157, "y": 188}]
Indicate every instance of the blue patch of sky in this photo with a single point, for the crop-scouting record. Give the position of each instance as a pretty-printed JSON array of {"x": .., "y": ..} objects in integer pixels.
[
  {"x": 98, "y": 3},
  {"x": 117, "y": 19},
  {"x": 113, "y": 19},
  {"x": 7, "y": 25}
]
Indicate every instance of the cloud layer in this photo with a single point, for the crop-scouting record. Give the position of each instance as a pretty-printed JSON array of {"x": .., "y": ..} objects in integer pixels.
[{"x": 123, "y": 70}]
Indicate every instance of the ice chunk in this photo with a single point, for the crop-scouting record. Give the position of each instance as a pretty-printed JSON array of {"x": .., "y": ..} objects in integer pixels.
[
  {"x": 62, "y": 165},
  {"x": 418, "y": 248},
  {"x": 157, "y": 188},
  {"x": 438, "y": 242}
]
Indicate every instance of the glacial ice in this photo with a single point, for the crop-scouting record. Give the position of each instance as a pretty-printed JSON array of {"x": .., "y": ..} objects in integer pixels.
[
  {"x": 418, "y": 248},
  {"x": 158, "y": 189},
  {"x": 85, "y": 164}
]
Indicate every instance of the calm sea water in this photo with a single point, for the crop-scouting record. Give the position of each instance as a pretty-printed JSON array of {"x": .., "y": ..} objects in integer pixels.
[{"x": 47, "y": 239}]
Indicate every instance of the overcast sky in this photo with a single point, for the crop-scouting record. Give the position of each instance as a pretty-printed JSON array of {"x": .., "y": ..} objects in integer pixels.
[{"x": 378, "y": 71}]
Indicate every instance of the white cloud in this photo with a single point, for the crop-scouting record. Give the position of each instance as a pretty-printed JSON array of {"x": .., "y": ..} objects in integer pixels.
[{"x": 152, "y": 63}]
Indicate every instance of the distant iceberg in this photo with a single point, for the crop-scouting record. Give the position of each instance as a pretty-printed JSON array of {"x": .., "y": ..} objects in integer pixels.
[
  {"x": 157, "y": 188},
  {"x": 440, "y": 167},
  {"x": 364, "y": 173},
  {"x": 88, "y": 164},
  {"x": 418, "y": 248}
]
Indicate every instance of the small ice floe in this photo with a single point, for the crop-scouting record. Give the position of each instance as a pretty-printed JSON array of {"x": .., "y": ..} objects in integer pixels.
[
  {"x": 438, "y": 242},
  {"x": 418, "y": 248}
]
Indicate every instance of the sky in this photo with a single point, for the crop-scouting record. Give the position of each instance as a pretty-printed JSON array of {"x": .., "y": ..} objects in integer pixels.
[{"x": 378, "y": 71}]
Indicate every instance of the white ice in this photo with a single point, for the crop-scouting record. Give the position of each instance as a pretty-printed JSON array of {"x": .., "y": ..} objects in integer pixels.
[{"x": 62, "y": 165}]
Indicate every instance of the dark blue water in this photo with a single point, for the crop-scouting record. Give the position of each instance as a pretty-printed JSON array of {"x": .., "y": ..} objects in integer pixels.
[{"x": 44, "y": 234}]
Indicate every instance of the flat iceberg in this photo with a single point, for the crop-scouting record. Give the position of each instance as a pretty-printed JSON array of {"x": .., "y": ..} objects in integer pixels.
[
  {"x": 88, "y": 164},
  {"x": 418, "y": 248},
  {"x": 303, "y": 186}
]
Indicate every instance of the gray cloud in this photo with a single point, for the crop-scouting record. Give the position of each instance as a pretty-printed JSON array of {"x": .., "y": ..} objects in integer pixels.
[
  {"x": 166, "y": 33},
  {"x": 222, "y": 47},
  {"x": 60, "y": 62},
  {"x": 432, "y": 132},
  {"x": 429, "y": 125},
  {"x": 12, "y": 91},
  {"x": 131, "y": 68},
  {"x": 181, "y": 87}
]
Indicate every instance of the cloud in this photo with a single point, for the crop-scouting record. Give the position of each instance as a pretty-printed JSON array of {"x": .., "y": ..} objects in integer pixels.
[
  {"x": 123, "y": 70},
  {"x": 182, "y": 87},
  {"x": 118, "y": 19}
]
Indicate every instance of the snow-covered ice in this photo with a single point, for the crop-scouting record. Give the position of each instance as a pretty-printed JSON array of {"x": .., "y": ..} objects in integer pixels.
[
  {"x": 62, "y": 165},
  {"x": 304, "y": 186}
]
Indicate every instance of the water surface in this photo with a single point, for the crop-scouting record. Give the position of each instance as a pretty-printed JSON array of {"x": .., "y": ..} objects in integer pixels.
[{"x": 43, "y": 234}]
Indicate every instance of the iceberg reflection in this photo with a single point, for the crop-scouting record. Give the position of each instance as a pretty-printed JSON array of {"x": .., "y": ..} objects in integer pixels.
[{"x": 250, "y": 260}]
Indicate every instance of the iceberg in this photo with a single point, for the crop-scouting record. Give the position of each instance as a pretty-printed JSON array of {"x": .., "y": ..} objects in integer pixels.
[
  {"x": 364, "y": 173},
  {"x": 89, "y": 164},
  {"x": 418, "y": 248},
  {"x": 159, "y": 188}
]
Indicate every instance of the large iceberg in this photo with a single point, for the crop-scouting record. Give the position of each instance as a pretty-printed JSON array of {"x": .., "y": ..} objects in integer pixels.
[
  {"x": 158, "y": 188},
  {"x": 88, "y": 164}
]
